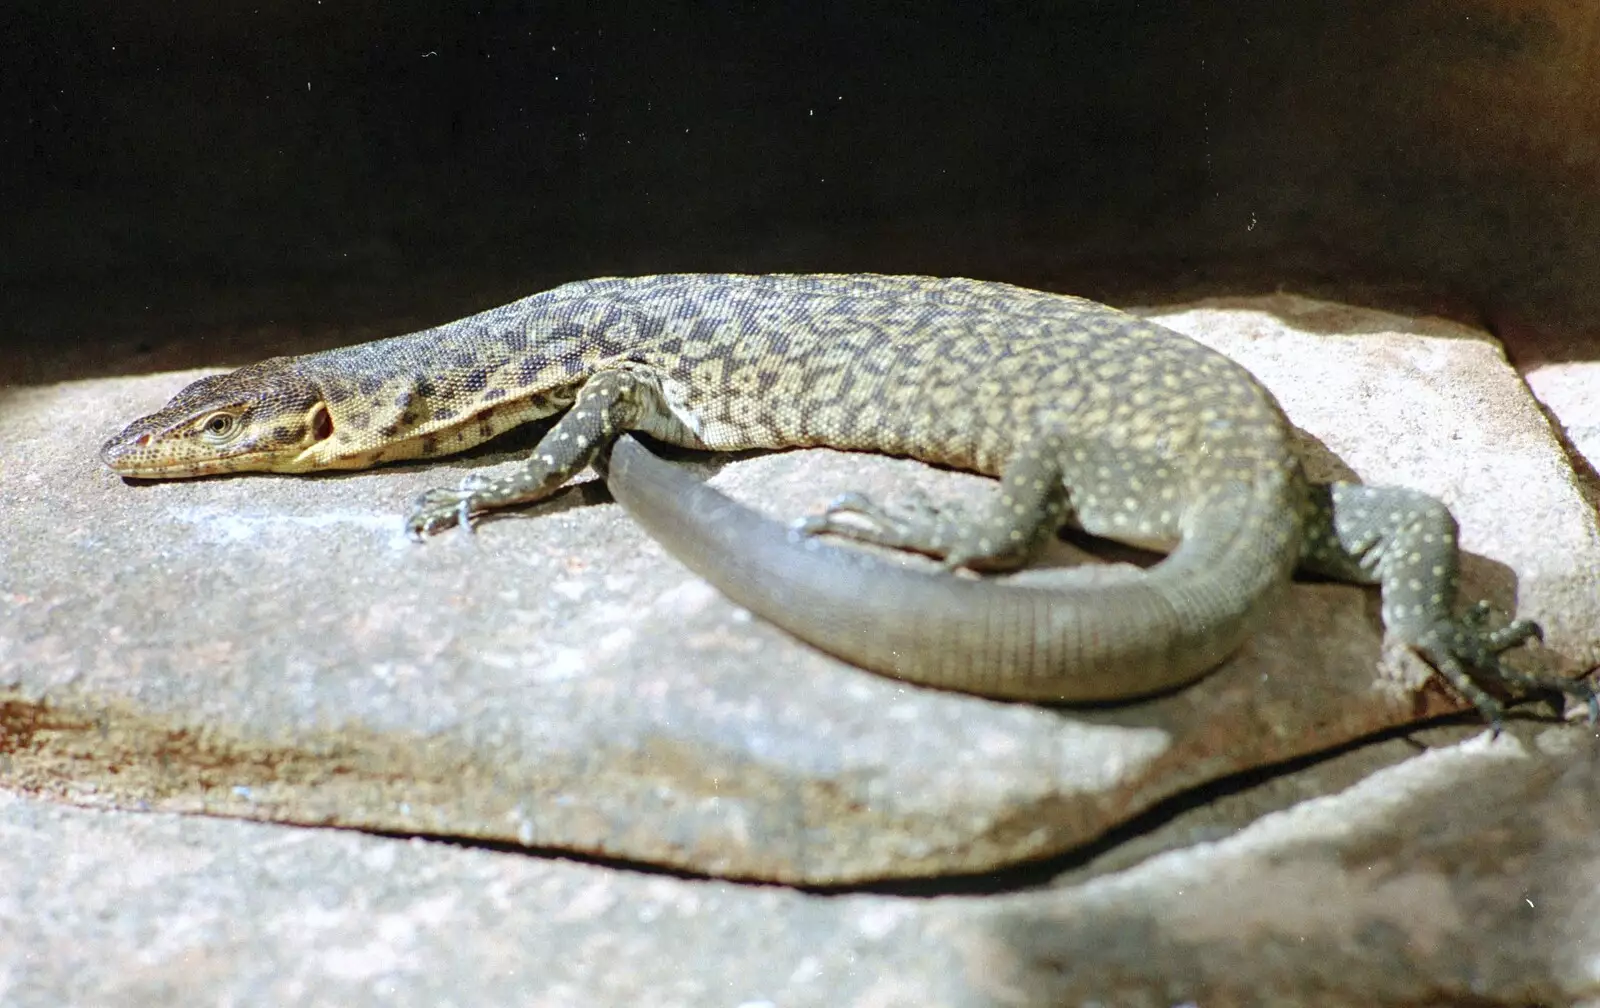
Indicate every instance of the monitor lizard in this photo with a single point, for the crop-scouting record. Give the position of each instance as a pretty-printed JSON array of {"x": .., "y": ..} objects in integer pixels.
[{"x": 1087, "y": 415}]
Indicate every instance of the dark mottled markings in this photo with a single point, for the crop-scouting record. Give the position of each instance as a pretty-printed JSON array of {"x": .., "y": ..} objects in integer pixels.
[
  {"x": 767, "y": 425},
  {"x": 651, "y": 327},
  {"x": 444, "y": 413},
  {"x": 705, "y": 334},
  {"x": 369, "y": 384},
  {"x": 425, "y": 388},
  {"x": 493, "y": 394},
  {"x": 873, "y": 364},
  {"x": 403, "y": 400},
  {"x": 430, "y": 444},
  {"x": 527, "y": 372},
  {"x": 476, "y": 380},
  {"x": 339, "y": 392},
  {"x": 283, "y": 435},
  {"x": 360, "y": 420},
  {"x": 516, "y": 340}
]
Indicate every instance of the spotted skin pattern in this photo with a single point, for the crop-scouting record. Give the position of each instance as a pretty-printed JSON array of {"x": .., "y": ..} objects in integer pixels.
[{"x": 1085, "y": 414}]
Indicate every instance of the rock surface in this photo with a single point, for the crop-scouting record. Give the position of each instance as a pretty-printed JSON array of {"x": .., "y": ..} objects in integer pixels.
[
  {"x": 1464, "y": 876},
  {"x": 272, "y": 647}
]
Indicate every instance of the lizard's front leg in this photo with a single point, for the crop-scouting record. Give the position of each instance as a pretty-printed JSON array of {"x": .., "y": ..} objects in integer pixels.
[{"x": 614, "y": 400}]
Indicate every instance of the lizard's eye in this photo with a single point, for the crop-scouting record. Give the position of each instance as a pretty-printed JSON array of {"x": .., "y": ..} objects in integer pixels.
[{"x": 219, "y": 425}]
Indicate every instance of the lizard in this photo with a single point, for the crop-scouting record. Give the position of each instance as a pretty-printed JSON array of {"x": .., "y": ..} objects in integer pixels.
[{"x": 1085, "y": 414}]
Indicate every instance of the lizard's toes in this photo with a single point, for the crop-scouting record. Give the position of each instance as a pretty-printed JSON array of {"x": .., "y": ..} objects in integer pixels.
[
  {"x": 436, "y": 510},
  {"x": 1468, "y": 654}
]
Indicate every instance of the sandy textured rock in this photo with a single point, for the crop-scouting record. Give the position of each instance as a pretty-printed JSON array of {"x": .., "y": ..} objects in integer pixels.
[
  {"x": 120, "y": 909},
  {"x": 1571, "y": 391},
  {"x": 1464, "y": 876},
  {"x": 271, "y": 647}
]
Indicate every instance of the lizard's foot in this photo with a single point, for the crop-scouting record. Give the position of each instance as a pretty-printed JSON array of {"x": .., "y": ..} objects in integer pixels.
[
  {"x": 442, "y": 507},
  {"x": 1465, "y": 651},
  {"x": 915, "y": 524}
]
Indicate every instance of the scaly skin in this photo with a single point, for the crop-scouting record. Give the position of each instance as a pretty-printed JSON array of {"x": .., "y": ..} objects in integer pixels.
[{"x": 1085, "y": 414}]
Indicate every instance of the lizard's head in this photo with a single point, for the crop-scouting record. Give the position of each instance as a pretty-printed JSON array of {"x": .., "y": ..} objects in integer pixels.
[{"x": 260, "y": 418}]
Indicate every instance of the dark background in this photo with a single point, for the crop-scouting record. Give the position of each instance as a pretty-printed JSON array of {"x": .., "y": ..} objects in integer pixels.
[{"x": 188, "y": 183}]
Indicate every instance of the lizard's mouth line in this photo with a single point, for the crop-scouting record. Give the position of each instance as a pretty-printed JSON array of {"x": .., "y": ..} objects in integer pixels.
[
  {"x": 180, "y": 470},
  {"x": 175, "y": 471}
]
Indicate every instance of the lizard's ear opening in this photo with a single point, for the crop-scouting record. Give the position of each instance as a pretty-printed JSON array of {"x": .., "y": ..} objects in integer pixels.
[{"x": 321, "y": 422}]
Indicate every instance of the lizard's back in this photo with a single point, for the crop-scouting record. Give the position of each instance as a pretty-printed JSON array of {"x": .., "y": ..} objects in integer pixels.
[
  {"x": 1156, "y": 439},
  {"x": 1152, "y": 425}
]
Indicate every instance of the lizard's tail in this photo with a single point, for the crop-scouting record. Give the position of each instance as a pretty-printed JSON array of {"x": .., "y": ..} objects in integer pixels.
[{"x": 1132, "y": 637}]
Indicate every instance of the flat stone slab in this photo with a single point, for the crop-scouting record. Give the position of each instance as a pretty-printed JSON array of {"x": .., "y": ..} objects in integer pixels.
[
  {"x": 273, "y": 648},
  {"x": 1463, "y": 876}
]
